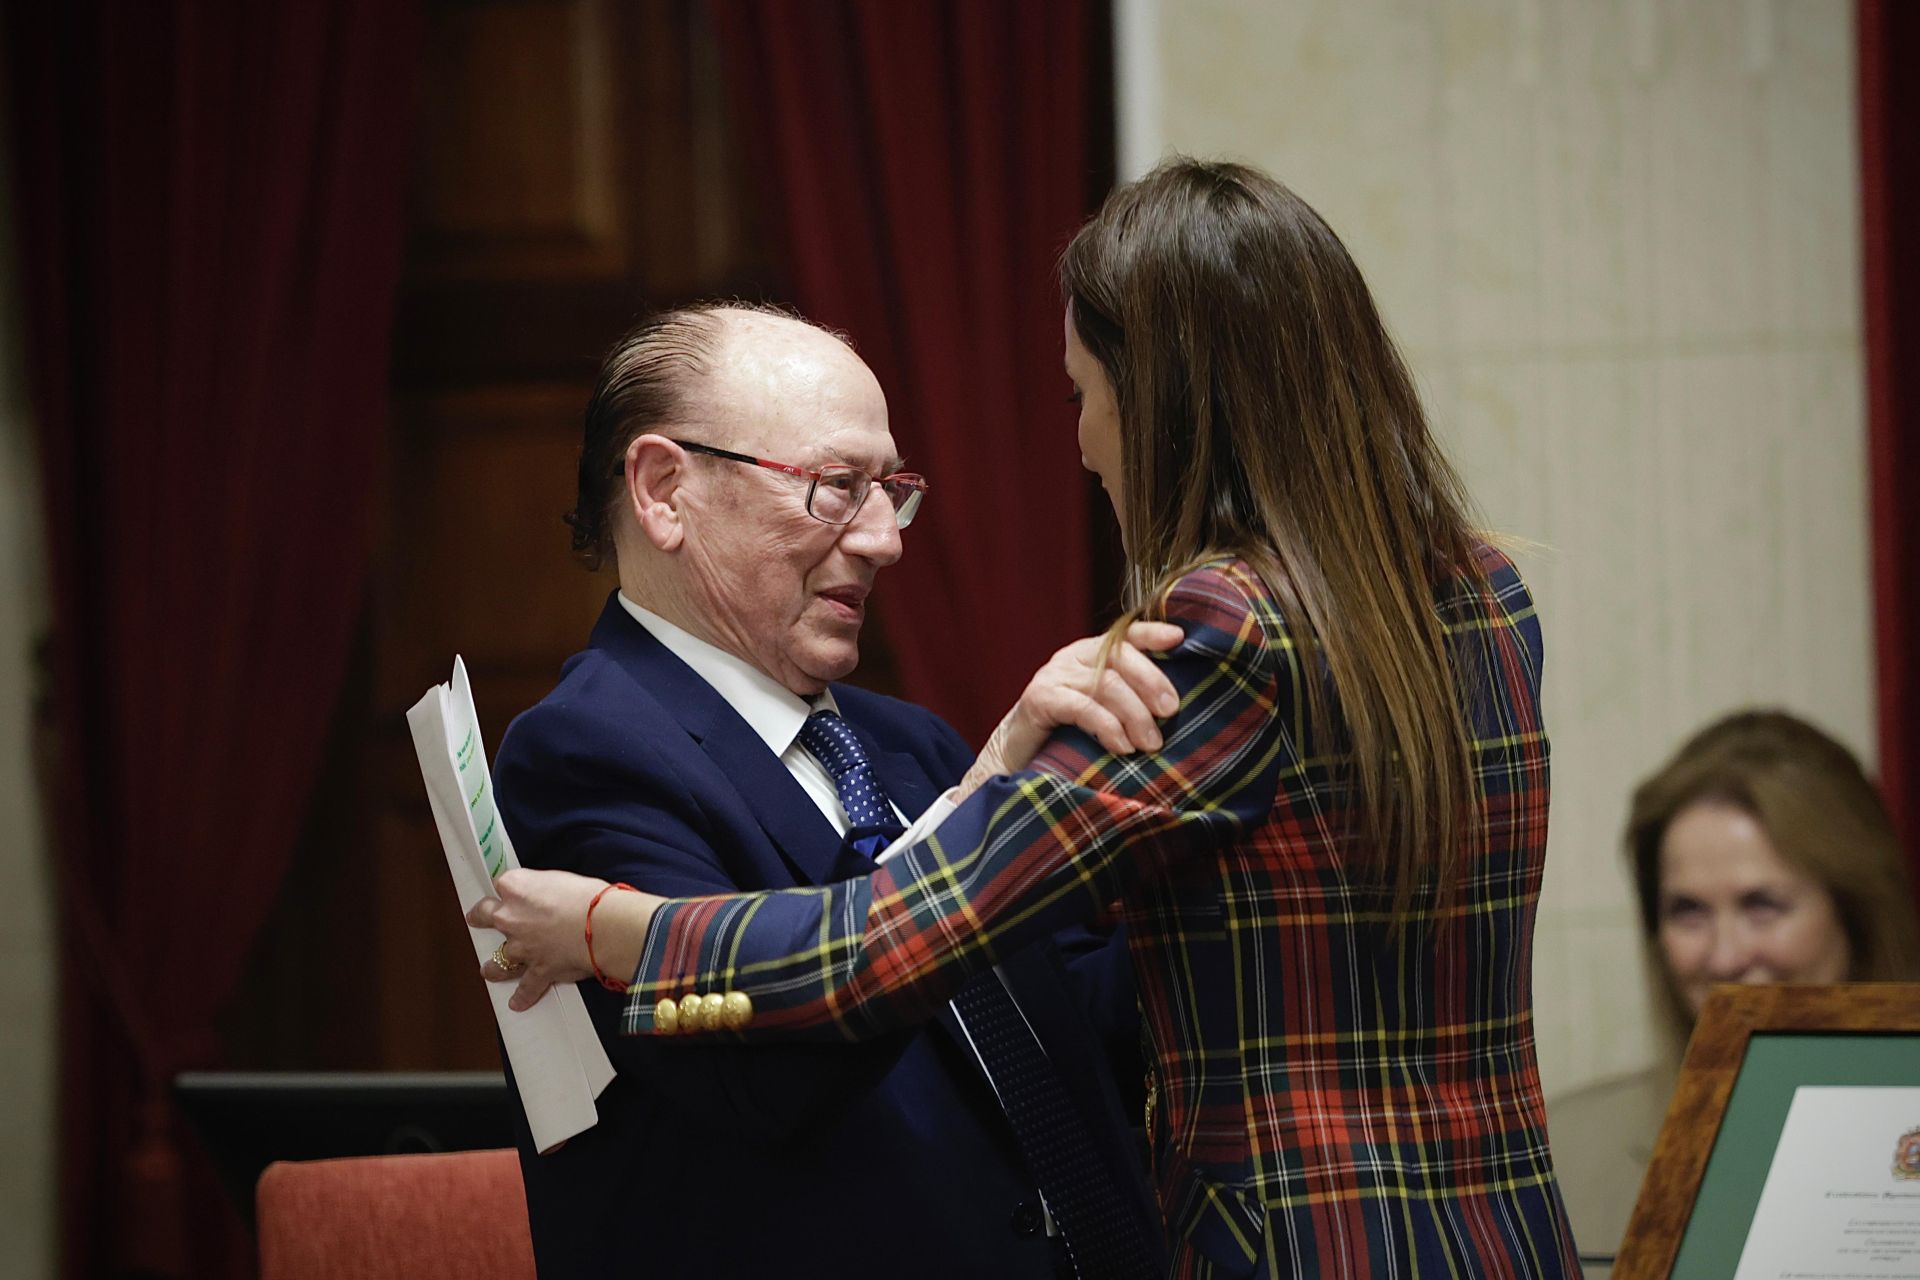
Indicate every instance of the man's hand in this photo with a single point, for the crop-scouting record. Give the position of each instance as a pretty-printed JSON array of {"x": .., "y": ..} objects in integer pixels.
[
  {"x": 1115, "y": 704},
  {"x": 544, "y": 915}
]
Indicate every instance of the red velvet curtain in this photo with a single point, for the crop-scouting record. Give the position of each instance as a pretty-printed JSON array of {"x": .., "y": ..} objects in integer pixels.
[
  {"x": 924, "y": 164},
  {"x": 210, "y": 219},
  {"x": 1889, "y": 36}
]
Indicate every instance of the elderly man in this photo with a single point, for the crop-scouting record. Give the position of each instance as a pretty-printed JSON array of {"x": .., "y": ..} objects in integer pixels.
[{"x": 738, "y": 466}]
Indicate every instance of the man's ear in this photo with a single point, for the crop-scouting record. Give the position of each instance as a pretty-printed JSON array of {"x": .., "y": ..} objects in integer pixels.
[{"x": 655, "y": 469}]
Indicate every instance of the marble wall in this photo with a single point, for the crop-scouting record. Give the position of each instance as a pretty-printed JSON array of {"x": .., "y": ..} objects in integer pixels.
[
  {"x": 1619, "y": 241},
  {"x": 27, "y": 997}
]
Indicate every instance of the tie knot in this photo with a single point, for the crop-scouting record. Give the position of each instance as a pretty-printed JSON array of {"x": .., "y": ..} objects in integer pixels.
[{"x": 833, "y": 744}]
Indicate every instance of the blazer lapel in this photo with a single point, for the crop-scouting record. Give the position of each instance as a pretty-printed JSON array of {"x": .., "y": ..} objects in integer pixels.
[
  {"x": 807, "y": 842},
  {"x": 784, "y": 811},
  {"x": 902, "y": 777}
]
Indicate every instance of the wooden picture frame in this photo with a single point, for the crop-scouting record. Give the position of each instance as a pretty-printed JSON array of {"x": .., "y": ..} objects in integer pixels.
[{"x": 1715, "y": 1055}]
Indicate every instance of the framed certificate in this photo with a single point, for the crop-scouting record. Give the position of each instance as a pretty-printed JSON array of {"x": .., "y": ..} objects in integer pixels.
[{"x": 1791, "y": 1149}]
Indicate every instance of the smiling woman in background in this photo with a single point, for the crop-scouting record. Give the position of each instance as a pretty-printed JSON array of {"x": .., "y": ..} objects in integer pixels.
[{"x": 1760, "y": 853}]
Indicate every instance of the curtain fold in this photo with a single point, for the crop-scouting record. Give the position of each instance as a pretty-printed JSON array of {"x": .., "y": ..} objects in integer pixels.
[
  {"x": 210, "y": 219},
  {"x": 1889, "y": 47},
  {"x": 924, "y": 163}
]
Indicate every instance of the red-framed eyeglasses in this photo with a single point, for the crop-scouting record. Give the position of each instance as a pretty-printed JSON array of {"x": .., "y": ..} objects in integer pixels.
[{"x": 836, "y": 492}]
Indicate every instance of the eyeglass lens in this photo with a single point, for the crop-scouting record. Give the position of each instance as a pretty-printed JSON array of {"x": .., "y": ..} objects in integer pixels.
[{"x": 839, "y": 491}]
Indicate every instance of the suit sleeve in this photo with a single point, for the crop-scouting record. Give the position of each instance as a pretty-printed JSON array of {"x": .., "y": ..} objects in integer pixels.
[
  {"x": 1023, "y": 857},
  {"x": 572, "y": 806}
]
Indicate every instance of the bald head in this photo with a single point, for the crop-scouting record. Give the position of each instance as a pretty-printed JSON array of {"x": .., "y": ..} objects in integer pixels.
[
  {"x": 677, "y": 369},
  {"x": 771, "y": 383}
]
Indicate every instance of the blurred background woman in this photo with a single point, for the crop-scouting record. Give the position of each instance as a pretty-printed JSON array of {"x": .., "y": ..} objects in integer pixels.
[{"x": 1760, "y": 853}]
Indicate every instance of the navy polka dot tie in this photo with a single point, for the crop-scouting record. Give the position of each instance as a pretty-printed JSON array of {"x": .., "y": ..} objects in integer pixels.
[{"x": 872, "y": 823}]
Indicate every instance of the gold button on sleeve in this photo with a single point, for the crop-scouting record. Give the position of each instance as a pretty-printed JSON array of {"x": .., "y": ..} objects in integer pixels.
[
  {"x": 666, "y": 1018},
  {"x": 690, "y": 1019},
  {"x": 736, "y": 1010},
  {"x": 711, "y": 1008}
]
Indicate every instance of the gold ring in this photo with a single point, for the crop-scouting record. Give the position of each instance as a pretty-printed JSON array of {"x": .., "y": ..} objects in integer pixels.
[{"x": 500, "y": 961}]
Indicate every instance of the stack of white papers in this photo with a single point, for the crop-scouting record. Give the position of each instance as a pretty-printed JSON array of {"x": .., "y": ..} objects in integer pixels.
[{"x": 557, "y": 1060}]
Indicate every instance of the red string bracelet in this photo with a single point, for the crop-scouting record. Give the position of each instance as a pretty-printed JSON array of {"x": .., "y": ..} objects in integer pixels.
[{"x": 605, "y": 981}]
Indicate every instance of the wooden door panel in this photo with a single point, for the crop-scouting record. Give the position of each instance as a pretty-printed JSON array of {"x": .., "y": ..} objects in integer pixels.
[
  {"x": 523, "y": 170},
  {"x": 480, "y": 561}
]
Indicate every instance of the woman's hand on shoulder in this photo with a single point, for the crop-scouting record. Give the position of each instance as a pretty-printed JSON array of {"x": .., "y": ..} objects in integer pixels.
[{"x": 1116, "y": 704}]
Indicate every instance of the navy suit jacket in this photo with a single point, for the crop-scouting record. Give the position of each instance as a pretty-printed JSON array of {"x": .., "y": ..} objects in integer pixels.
[{"x": 728, "y": 1160}]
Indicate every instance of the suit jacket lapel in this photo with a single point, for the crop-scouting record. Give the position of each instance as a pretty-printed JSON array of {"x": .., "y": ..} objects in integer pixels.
[
  {"x": 902, "y": 777},
  {"x": 807, "y": 842},
  {"x": 784, "y": 811}
]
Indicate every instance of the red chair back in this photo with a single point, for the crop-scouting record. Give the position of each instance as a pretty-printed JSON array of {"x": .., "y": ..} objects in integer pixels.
[{"x": 462, "y": 1213}]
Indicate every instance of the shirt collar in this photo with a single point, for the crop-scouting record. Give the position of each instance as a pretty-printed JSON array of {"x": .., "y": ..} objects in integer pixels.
[{"x": 773, "y": 711}]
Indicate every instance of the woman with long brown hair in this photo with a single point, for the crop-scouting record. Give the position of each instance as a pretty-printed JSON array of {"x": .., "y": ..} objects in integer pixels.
[{"x": 1329, "y": 869}]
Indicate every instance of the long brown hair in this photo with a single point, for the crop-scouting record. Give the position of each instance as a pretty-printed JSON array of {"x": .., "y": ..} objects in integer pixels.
[
  {"x": 1265, "y": 413},
  {"x": 1821, "y": 813}
]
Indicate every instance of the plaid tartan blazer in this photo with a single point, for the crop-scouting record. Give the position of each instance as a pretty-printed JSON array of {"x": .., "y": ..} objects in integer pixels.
[{"x": 1325, "y": 1100}]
